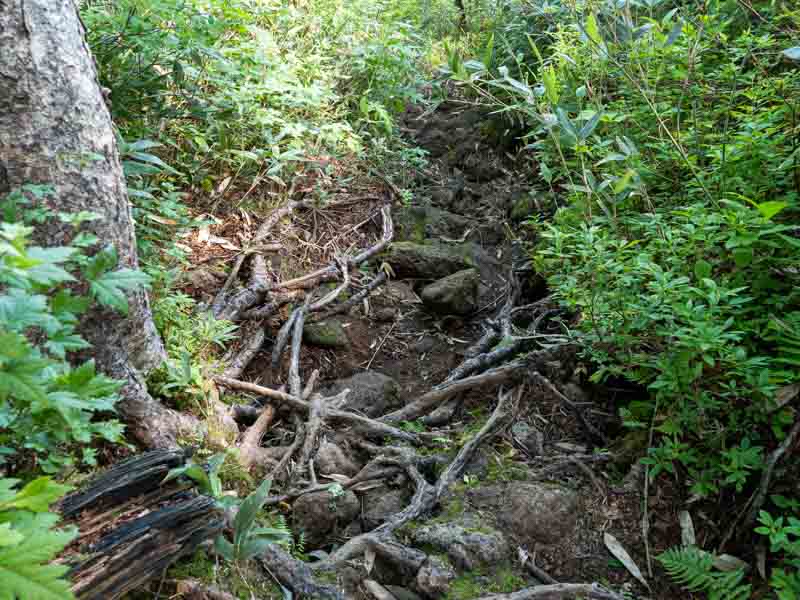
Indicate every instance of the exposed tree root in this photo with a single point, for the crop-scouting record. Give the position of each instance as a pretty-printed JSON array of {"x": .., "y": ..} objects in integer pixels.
[{"x": 558, "y": 591}]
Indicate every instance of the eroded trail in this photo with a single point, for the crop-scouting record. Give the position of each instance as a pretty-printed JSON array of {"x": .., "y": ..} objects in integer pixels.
[{"x": 403, "y": 377}]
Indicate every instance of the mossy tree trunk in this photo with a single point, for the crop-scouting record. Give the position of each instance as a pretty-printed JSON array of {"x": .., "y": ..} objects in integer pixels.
[{"x": 55, "y": 129}]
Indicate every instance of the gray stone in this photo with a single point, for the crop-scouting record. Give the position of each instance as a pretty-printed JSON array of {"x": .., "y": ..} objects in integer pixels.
[
  {"x": 418, "y": 223},
  {"x": 467, "y": 541},
  {"x": 320, "y": 515},
  {"x": 529, "y": 512},
  {"x": 530, "y": 438},
  {"x": 325, "y": 334},
  {"x": 455, "y": 294},
  {"x": 385, "y": 315},
  {"x": 381, "y": 503},
  {"x": 428, "y": 261},
  {"x": 434, "y": 577},
  {"x": 401, "y": 593},
  {"x": 538, "y": 512},
  {"x": 371, "y": 393},
  {"x": 332, "y": 459}
]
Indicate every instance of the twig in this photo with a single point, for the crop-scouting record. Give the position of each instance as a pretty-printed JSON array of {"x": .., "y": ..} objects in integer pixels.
[
  {"x": 354, "y": 300},
  {"x": 380, "y": 345}
]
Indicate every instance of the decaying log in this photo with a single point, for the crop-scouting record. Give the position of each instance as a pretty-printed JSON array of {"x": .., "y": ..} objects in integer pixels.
[{"x": 131, "y": 528}]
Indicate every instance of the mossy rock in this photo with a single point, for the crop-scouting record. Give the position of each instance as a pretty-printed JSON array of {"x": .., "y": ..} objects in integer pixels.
[
  {"x": 419, "y": 223},
  {"x": 428, "y": 261},
  {"x": 325, "y": 334},
  {"x": 456, "y": 294}
]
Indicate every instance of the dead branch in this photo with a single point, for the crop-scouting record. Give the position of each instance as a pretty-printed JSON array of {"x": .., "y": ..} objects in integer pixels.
[
  {"x": 295, "y": 385},
  {"x": 310, "y": 384},
  {"x": 263, "y": 231},
  {"x": 191, "y": 589},
  {"x": 251, "y": 441},
  {"x": 295, "y": 575},
  {"x": 591, "y": 429},
  {"x": 248, "y": 296},
  {"x": 558, "y": 591},
  {"x": 277, "y": 301},
  {"x": 440, "y": 394},
  {"x": 239, "y": 361},
  {"x": 332, "y": 295},
  {"x": 316, "y": 418},
  {"x": 299, "y": 436},
  {"x": 353, "y": 301},
  {"x": 282, "y": 339}
]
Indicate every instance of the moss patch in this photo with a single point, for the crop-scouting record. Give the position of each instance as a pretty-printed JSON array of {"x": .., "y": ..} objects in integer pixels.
[{"x": 477, "y": 583}]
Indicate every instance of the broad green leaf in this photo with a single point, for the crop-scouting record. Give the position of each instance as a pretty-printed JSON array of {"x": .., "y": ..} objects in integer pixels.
[
  {"x": 37, "y": 496},
  {"x": 771, "y": 208},
  {"x": 24, "y": 573},
  {"x": 109, "y": 289}
]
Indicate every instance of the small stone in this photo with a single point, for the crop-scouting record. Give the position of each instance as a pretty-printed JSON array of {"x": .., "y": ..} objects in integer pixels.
[
  {"x": 455, "y": 294},
  {"x": 530, "y": 438},
  {"x": 382, "y": 503},
  {"x": 434, "y": 577},
  {"x": 331, "y": 459},
  {"x": 538, "y": 512},
  {"x": 428, "y": 261},
  {"x": 371, "y": 393},
  {"x": 468, "y": 542},
  {"x": 385, "y": 315},
  {"x": 320, "y": 514},
  {"x": 401, "y": 593},
  {"x": 325, "y": 334}
]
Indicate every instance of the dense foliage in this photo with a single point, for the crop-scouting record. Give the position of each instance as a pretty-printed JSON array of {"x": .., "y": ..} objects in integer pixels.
[
  {"x": 666, "y": 139},
  {"x": 667, "y": 133}
]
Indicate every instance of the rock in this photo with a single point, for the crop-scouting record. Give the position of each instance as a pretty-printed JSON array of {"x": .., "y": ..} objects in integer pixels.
[
  {"x": 382, "y": 503},
  {"x": 320, "y": 515},
  {"x": 325, "y": 334},
  {"x": 537, "y": 512},
  {"x": 434, "y": 577},
  {"x": 428, "y": 261},
  {"x": 332, "y": 459},
  {"x": 401, "y": 593},
  {"x": 530, "y": 438},
  {"x": 385, "y": 315},
  {"x": 529, "y": 512},
  {"x": 468, "y": 542},
  {"x": 424, "y": 345},
  {"x": 455, "y": 294},
  {"x": 371, "y": 393},
  {"x": 418, "y": 223}
]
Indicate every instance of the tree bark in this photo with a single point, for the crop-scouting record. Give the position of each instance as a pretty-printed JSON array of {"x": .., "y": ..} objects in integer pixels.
[{"x": 55, "y": 129}]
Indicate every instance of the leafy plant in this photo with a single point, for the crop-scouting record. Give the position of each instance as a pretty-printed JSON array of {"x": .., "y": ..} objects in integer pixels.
[
  {"x": 28, "y": 541},
  {"x": 784, "y": 538},
  {"x": 48, "y": 407},
  {"x": 249, "y": 540},
  {"x": 693, "y": 569}
]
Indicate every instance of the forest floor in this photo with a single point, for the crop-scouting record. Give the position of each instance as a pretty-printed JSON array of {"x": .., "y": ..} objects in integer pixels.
[{"x": 543, "y": 487}]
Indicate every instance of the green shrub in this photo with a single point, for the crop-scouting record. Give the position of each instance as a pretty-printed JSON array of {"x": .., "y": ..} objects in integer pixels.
[{"x": 51, "y": 411}]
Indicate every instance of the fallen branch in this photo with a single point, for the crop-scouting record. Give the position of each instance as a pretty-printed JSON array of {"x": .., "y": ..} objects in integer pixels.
[
  {"x": 558, "y": 591},
  {"x": 353, "y": 301},
  {"x": 240, "y": 361}
]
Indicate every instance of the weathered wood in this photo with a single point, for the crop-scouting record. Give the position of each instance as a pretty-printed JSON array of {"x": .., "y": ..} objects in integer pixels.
[{"x": 131, "y": 527}]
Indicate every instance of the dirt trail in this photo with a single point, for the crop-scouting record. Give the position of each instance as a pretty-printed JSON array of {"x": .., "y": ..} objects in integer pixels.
[{"x": 537, "y": 495}]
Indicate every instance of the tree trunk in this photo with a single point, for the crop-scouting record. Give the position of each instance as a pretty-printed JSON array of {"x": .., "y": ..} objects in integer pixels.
[{"x": 55, "y": 129}]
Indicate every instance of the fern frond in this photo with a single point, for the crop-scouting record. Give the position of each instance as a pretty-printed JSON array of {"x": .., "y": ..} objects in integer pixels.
[{"x": 694, "y": 569}]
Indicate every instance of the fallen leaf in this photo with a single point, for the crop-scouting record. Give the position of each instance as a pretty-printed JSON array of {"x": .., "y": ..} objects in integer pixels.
[
  {"x": 223, "y": 185},
  {"x": 202, "y": 234},
  {"x": 688, "y": 537},
  {"x": 726, "y": 562},
  {"x": 785, "y": 395},
  {"x": 369, "y": 560},
  {"x": 162, "y": 220},
  {"x": 221, "y": 241},
  {"x": 622, "y": 556}
]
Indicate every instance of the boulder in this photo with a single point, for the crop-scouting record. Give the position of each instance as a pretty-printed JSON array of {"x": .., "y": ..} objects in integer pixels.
[
  {"x": 325, "y": 334},
  {"x": 332, "y": 459},
  {"x": 434, "y": 577},
  {"x": 456, "y": 294},
  {"x": 531, "y": 513},
  {"x": 468, "y": 542},
  {"x": 428, "y": 261},
  {"x": 418, "y": 223},
  {"x": 382, "y": 503},
  {"x": 371, "y": 393},
  {"x": 320, "y": 515}
]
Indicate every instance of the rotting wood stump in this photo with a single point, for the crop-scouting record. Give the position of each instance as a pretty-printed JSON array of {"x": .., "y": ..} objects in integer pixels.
[{"x": 131, "y": 528}]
